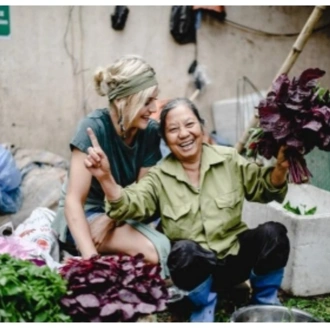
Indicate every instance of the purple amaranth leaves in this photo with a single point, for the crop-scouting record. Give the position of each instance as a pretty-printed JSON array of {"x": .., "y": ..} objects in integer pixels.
[
  {"x": 38, "y": 262},
  {"x": 267, "y": 146},
  {"x": 296, "y": 114},
  {"x": 88, "y": 301},
  {"x": 128, "y": 296},
  {"x": 109, "y": 309},
  {"x": 324, "y": 143},
  {"x": 322, "y": 114},
  {"x": 112, "y": 288},
  {"x": 308, "y": 79},
  {"x": 269, "y": 115},
  {"x": 281, "y": 89},
  {"x": 144, "y": 308},
  {"x": 313, "y": 125}
]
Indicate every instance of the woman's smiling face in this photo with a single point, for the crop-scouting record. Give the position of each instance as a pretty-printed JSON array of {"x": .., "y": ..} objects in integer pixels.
[
  {"x": 184, "y": 134},
  {"x": 142, "y": 117}
]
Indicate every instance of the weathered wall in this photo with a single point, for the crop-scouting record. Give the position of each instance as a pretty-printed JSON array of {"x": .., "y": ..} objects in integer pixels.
[{"x": 46, "y": 66}]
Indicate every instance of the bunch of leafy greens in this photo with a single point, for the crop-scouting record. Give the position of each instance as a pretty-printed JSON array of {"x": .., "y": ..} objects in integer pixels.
[
  {"x": 112, "y": 288},
  {"x": 297, "y": 210},
  {"x": 29, "y": 293},
  {"x": 295, "y": 114}
]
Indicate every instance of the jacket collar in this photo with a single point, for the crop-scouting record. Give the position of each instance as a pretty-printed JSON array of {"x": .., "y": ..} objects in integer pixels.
[{"x": 210, "y": 156}]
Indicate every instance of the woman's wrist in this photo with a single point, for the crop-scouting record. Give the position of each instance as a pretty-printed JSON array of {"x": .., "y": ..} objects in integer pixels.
[
  {"x": 280, "y": 167},
  {"x": 94, "y": 255},
  {"x": 279, "y": 176},
  {"x": 90, "y": 255},
  {"x": 111, "y": 189}
]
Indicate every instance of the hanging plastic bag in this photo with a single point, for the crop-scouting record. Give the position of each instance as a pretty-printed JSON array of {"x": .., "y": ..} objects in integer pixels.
[
  {"x": 119, "y": 17},
  {"x": 182, "y": 24},
  {"x": 10, "y": 181}
]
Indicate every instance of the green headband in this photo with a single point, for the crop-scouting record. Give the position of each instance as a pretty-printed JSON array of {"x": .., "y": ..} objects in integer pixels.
[{"x": 136, "y": 84}]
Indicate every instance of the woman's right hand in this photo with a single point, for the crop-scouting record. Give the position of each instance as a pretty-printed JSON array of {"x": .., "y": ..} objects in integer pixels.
[
  {"x": 97, "y": 162},
  {"x": 100, "y": 229}
]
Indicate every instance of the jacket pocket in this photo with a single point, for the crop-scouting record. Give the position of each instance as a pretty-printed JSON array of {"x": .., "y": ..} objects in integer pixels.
[
  {"x": 228, "y": 200},
  {"x": 230, "y": 210},
  {"x": 175, "y": 212}
]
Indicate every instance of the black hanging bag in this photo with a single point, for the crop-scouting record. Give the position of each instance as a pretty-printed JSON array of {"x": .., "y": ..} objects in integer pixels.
[
  {"x": 119, "y": 17},
  {"x": 182, "y": 24}
]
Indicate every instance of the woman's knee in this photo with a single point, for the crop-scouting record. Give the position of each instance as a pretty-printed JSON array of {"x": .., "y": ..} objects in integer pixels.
[
  {"x": 150, "y": 251},
  {"x": 272, "y": 228},
  {"x": 127, "y": 240},
  {"x": 275, "y": 246},
  {"x": 277, "y": 234},
  {"x": 180, "y": 248},
  {"x": 190, "y": 264}
]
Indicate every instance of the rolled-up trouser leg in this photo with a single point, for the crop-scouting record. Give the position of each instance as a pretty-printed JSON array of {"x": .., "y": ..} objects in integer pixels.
[
  {"x": 262, "y": 249},
  {"x": 267, "y": 274},
  {"x": 265, "y": 287},
  {"x": 273, "y": 245},
  {"x": 191, "y": 268},
  {"x": 190, "y": 264},
  {"x": 204, "y": 301}
]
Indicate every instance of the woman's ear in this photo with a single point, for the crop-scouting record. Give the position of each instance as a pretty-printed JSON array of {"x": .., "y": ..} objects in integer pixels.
[
  {"x": 120, "y": 103},
  {"x": 207, "y": 138}
]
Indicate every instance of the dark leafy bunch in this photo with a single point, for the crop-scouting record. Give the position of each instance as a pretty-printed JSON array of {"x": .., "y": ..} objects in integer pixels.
[
  {"x": 295, "y": 114},
  {"x": 112, "y": 288},
  {"x": 29, "y": 293}
]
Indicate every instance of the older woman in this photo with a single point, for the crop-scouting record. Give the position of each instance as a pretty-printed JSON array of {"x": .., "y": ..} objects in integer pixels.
[{"x": 199, "y": 190}]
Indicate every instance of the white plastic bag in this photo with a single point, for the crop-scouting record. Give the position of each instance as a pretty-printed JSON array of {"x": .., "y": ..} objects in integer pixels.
[{"x": 37, "y": 229}]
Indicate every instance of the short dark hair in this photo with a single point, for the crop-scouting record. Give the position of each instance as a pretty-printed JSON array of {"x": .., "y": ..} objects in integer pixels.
[{"x": 173, "y": 104}]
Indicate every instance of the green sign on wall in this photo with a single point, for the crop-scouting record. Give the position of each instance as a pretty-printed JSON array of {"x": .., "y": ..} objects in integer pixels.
[{"x": 4, "y": 22}]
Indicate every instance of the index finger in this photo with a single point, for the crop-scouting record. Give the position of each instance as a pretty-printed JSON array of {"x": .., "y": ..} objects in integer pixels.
[{"x": 93, "y": 138}]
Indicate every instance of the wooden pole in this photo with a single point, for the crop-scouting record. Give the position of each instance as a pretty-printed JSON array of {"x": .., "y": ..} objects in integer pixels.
[
  {"x": 296, "y": 49},
  {"x": 194, "y": 95}
]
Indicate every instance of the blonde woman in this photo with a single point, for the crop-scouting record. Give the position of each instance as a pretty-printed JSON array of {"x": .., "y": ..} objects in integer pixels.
[{"x": 130, "y": 140}]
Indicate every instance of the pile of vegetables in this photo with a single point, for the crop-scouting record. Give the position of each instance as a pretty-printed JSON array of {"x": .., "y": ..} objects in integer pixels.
[
  {"x": 112, "y": 288},
  {"x": 102, "y": 288},
  {"x": 295, "y": 114},
  {"x": 29, "y": 293}
]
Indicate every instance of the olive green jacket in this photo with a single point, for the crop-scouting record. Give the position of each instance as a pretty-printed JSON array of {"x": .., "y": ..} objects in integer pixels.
[{"x": 209, "y": 215}]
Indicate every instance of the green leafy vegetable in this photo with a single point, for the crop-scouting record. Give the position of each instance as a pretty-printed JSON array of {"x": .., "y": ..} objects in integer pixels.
[
  {"x": 29, "y": 293},
  {"x": 289, "y": 208},
  {"x": 311, "y": 211},
  {"x": 296, "y": 210}
]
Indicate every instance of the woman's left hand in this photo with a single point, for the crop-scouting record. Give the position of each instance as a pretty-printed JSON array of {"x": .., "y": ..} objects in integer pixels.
[
  {"x": 282, "y": 160},
  {"x": 100, "y": 228},
  {"x": 279, "y": 173}
]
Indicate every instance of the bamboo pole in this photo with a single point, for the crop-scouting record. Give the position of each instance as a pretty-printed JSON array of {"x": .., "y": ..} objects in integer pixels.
[
  {"x": 194, "y": 95},
  {"x": 295, "y": 51}
]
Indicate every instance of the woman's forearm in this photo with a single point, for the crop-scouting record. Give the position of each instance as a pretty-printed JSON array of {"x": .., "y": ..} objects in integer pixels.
[
  {"x": 278, "y": 176},
  {"x": 111, "y": 189},
  {"x": 97, "y": 163},
  {"x": 79, "y": 228},
  {"x": 280, "y": 172}
]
